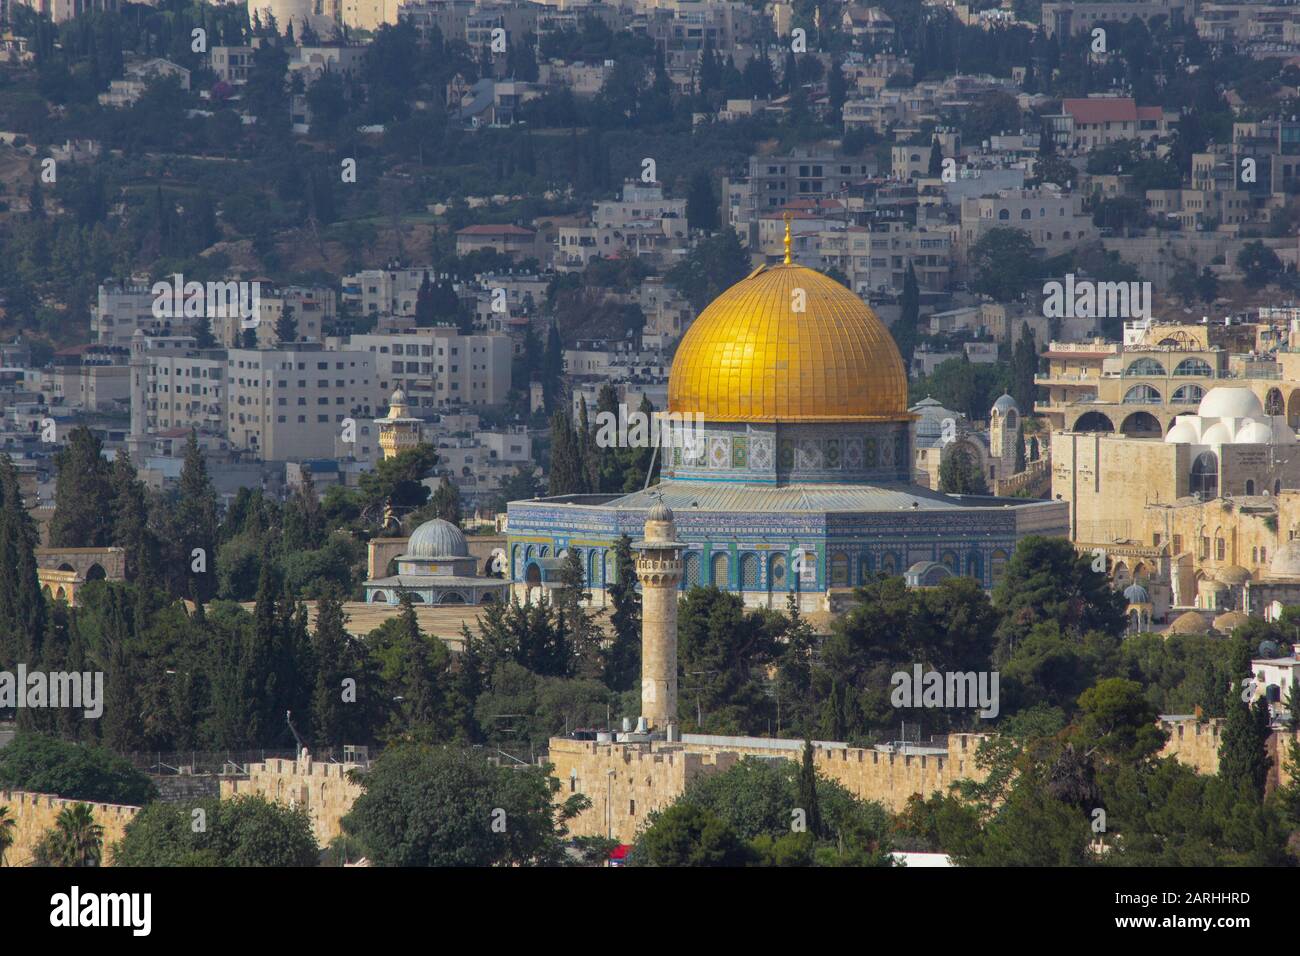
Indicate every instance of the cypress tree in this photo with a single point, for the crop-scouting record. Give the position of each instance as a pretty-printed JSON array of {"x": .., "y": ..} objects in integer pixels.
[
  {"x": 808, "y": 792},
  {"x": 1024, "y": 366},
  {"x": 567, "y": 470},
  {"x": 936, "y": 158},
  {"x": 23, "y": 609},
  {"x": 130, "y": 517},
  {"x": 194, "y": 526},
  {"x": 329, "y": 647},
  {"x": 83, "y": 492},
  {"x": 623, "y": 659},
  {"x": 1243, "y": 749},
  {"x": 906, "y": 329},
  {"x": 1018, "y": 462}
]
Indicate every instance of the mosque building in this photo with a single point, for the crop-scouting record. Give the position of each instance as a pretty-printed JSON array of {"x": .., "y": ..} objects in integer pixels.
[{"x": 801, "y": 475}]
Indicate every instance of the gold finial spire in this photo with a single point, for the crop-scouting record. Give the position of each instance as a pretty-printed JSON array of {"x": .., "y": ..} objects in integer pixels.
[{"x": 787, "y": 217}]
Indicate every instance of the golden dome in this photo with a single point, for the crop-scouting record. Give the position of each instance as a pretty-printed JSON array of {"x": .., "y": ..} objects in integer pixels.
[{"x": 750, "y": 357}]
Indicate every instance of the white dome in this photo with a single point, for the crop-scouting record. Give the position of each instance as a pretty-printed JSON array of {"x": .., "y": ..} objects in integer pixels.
[
  {"x": 1254, "y": 433},
  {"x": 1183, "y": 432},
  {"x": 1216, "y": 434},
  {"x": 1230, "y": 402}
]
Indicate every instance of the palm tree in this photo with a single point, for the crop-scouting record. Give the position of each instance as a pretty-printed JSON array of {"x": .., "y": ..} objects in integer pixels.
[
  {"x": 7, "y": 827},
  {"x": 76, "y": 840}
]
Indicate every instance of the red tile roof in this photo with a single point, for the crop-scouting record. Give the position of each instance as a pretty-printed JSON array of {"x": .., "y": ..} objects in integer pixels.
[
  {"x": 1108, "y": 109},
  {"x": 505, "y": 229}
]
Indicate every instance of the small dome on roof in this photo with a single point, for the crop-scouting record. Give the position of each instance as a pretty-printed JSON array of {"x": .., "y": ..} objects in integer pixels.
[
  {"x": 1192, "y": 622},
  {"x": 660, "y": 512},
  {"x": 1004, "y": 404},
  {"x": 1286, "y": 562},
  {"x": 437, "y": 539},
  {"x": 1136, "y": 594},
  {"x": 1216, "y": 434},
  {"x": 1255, "y": 433},
  {"x": 1183, "y": 432},
  {"x": 1234, "y": 575},
  {"x": 1230, "y": 402},
  {"x": 1230, "y": 620}
]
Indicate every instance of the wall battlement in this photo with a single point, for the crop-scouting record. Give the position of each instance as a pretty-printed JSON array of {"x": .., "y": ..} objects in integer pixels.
[{"x": 36, "y": 813}]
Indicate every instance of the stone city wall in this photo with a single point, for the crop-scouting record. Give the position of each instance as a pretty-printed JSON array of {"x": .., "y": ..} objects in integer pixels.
[
  {"x": 323, "y": 788},
  {"x": 36, "y": 813}
]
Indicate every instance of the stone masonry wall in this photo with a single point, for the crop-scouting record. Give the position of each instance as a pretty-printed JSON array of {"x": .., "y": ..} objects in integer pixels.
[
  {"x": 323, "y": 788},
  {"x": 35, "y": 813}
]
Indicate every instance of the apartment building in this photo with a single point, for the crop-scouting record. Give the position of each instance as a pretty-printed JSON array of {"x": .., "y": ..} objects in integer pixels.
[
  {"x": 124, "y": 306},
  {"x": 516, "y": 242},
  {"x": 1097, "y": 121},
  {"x": 1054, "y": 220},
  {"x": 291, "y": 402},
  {"x": 88, "y": 378},
  {"x": 313, "y": 308},
  {"x": 439, "y": 366},
  {"x": 186, "y": 388},
  {"x": 803, "y": 174},
  {"x": 1071, "y": 18}
]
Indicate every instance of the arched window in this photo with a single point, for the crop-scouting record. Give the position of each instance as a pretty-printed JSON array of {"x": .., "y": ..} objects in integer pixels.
[
  {"x": 1142, "y": 395},
  {"x": 1004, "y": 214},
  {"x": 865, "y": 566},
  {"x": 1193, "y": 366},
  {"x": 1146, "y": 367},
  {"x": 1205, "y": 475},
  {"x": 749, "y": 572},
  {"x": 889, "y": 564},
  {"x": 839, "y": 570},
  {"x": 975, "y": 566},
  {"x": 949, "y": 560},
  {"x": 691, "y": 572},
  {"x": 721, "y": 571},
  {"x": 1026, "y": 214},
  {"x": 1273, "y": 403},
  {"x": 1187, "y": 395},
  {"x": 776, "y": 573},
  {"x": 1220, "y": 549},
  {"x": 1250, "y": 486}
]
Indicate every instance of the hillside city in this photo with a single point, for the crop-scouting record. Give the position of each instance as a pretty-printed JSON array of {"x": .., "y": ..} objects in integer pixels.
[{"x": 651, "y": 433}]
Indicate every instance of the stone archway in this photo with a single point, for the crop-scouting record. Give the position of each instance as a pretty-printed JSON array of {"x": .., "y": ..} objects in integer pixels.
[
  {"x": 1274, "y": 404},
  {"x": 1293, "y": 409},
  {"x": 1093, "y": 422},
  {"x": 1141, "y": 425}
]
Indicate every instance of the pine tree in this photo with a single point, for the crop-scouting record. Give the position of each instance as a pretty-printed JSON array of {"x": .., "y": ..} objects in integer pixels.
[
  {"x": 203, "y": 337},
  {"x": 286, "y": 326},
  {"x": 959, "y": 474},
  {"x": 623, "y": 658},
  {"x": 82, "y": 495},
  {"x": 445, "y": 503},
  {"x": 701, "y": 205}
]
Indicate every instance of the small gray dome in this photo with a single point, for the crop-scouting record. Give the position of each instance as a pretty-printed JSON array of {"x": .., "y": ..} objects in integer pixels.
[
  {"x": 1136, "y": 594},
  {"x": 437, "y": 539},
  {"x": 660, "y": 512},
  {"x": 1005, "y": 404}
]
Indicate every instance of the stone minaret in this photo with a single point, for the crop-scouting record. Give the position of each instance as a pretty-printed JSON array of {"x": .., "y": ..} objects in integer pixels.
[
  {"x": 138, "y": 439},
  {"x": 659, "y": 568}
]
